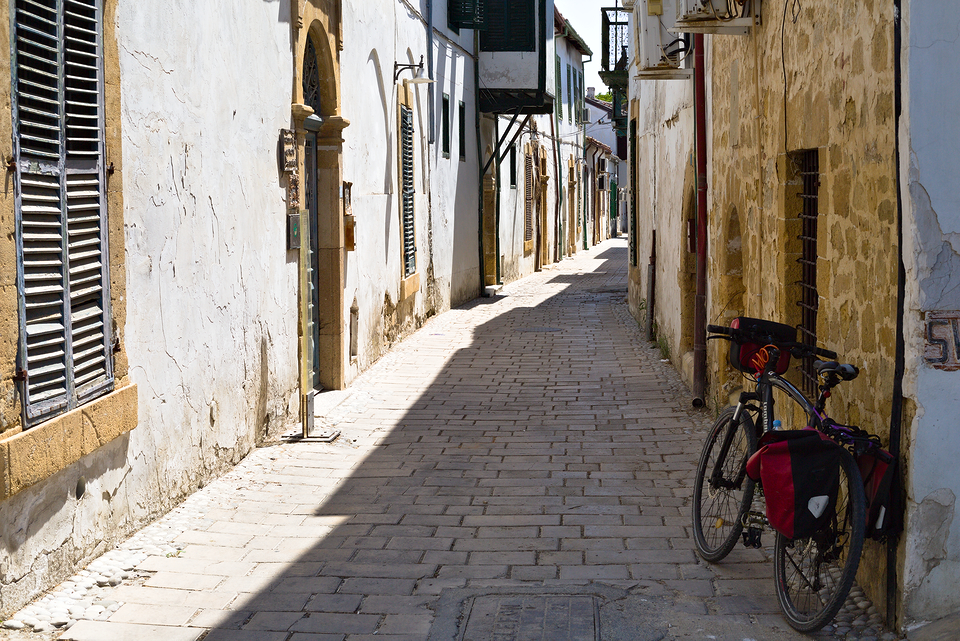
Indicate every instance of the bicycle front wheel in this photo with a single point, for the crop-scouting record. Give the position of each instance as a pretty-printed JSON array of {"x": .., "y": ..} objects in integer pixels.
[
  {"x": 722, "y": 492},
  {"x": 814, "y": 575}
]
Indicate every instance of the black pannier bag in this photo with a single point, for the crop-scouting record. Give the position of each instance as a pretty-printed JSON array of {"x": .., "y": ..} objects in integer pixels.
[{"x": 800, "y": 473}]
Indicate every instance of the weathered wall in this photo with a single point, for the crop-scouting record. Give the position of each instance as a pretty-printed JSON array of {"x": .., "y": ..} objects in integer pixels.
[
  {"x": 665, "y": 192},
  {"x": 929, "y": 135},
  {"x": 212, "y": 322},
  {"x": 832, "y": 91},
  {"x": 210, "y": 297},
  {"x": 377, "y": 34}
]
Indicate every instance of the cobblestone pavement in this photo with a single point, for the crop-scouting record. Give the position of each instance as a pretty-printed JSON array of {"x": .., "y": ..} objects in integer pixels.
[{"x": 519, "y": 468}]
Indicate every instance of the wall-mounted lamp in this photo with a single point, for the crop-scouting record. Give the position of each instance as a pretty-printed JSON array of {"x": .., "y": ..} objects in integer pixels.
[
  {"x": 313, "y": 122},
  {"x": 418, "y": 77}
]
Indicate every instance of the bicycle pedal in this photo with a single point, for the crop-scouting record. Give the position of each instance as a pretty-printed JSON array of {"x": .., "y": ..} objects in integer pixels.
[{"x": 751, "y": 537}]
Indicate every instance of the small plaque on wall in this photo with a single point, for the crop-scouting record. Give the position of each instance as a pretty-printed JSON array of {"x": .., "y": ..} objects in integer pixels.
[{"x": 293, "y": 231}]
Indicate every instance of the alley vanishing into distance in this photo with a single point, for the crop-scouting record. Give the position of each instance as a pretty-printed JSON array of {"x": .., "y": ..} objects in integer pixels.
[{"x": 519, "y": 469}]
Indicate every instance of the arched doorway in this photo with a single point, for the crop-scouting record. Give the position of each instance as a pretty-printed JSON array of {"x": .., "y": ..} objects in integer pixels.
[{"x": 316, "y": 116}]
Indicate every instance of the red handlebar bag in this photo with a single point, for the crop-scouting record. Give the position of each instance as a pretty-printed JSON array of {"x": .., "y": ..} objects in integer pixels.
[{"x": 800, "y": 473}]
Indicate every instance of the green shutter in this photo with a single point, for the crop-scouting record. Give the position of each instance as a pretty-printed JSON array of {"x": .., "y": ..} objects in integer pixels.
[
  {"x": 529, "y": 189},
  {"x": 465, "y": 14},
  {"x": 407, "y": 191},
  {"x": 61, "y": 207},
  {"x": 510, "y": 25},
  {"x": 633, "y": 194},
  {"x": 559, "y": 97}
]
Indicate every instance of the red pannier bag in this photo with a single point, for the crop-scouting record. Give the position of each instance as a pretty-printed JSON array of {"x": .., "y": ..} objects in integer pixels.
[
  {"x": 877, "y": 469},
  {"x": 800, "y": 473}
]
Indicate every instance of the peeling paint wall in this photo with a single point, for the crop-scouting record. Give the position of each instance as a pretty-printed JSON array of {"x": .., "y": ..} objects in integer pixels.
[
  {"x": 929, "y": 143},
  {"x": 665, "y": 201},
  {"x": 211, "y": 292}
]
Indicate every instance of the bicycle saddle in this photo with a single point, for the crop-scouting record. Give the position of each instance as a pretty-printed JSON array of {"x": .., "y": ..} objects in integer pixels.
[{"x": 844, "y": 371}]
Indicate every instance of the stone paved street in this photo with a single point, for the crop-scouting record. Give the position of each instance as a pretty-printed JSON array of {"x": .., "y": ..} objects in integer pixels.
[{"x": 519, "y": 469}]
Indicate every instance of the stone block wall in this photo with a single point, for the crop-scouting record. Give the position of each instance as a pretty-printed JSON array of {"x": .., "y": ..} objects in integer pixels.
[{"x": 814, "y": 77}]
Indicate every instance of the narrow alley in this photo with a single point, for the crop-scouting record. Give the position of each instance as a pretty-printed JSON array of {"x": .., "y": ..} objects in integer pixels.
[{"x": 518, "y": 469}]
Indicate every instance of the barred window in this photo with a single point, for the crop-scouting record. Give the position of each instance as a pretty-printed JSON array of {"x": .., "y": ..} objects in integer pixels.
[
  {"x": 809, "y": 302},
  {"x": 61, "y": 232}
]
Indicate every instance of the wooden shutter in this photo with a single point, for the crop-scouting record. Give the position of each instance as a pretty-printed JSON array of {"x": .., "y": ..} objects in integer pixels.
[
  {"x": 510, "y": 25},
  {"x": 407, "y": 191},
  {"x": 58, "y": 99},
  {"x": 528, "y": 197},
  {"x": 559, "y": 97},
  {"x": 465, "y": 14}
]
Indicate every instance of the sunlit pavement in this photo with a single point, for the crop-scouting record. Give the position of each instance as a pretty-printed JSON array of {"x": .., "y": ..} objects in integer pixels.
[{"x": 521, "y": 468}]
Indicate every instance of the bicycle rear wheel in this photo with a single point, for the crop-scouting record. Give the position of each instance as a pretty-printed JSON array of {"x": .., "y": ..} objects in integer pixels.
[
  {"x": 722, "y": 492},
  {"x": 814, "y": 575}
]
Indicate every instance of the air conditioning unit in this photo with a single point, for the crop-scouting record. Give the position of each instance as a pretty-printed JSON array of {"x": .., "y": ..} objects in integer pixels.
[
  {"x": 725, "y": 17},
  {"x": 663, "y": 53}
]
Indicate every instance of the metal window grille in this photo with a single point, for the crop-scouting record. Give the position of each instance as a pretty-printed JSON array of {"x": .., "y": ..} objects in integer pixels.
[
  {"x": 528, "y": 198},
  {"x": 407, "y": 191},
  {"x": 809, "y": 298},
  {"x": 64, "y": 350},
  {"x": 311, "y": 78}
]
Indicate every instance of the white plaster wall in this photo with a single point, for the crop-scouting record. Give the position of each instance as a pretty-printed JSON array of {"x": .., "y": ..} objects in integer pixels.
[
  {"x": 378, "y": 33},
  {"x": 211, "y": 328},
  {"x": 665, "y": 131},
  {"x": 930, "y": 133}
]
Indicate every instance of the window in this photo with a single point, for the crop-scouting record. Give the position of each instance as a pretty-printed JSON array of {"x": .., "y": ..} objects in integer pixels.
[
  {"x": 513, "y": 166},
  {"x": 63, "y": 281},
  {"x": 569, "y": 93},
  {"x": 509, "y": 25},
  {"x": 465, "y": 14},
  {"x": 580, "y": 101},
  {"x": 529, "y": 189},
  {"x": 559, "y": 100},
  {"x": 462, "y": 128},
  {"x": 809, "y": 302},
  {"x": 407, "y": 192},
  {"x": 445, "y": 126}
]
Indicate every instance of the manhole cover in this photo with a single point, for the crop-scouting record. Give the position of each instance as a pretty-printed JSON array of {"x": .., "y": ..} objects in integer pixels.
[{"x": 531, "y": 618}]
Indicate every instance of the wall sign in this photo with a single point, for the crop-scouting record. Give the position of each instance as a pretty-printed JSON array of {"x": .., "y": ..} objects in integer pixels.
[{"x": 942, "y": 348}]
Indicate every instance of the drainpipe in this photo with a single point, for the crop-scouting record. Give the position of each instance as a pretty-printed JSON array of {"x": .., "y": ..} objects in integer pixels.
[
  {"x": 476, "y": 116},
  {"x": 896, "y": 409},
  {"x": 700, "y": 302},
  {"x": 557, "y": 227}
]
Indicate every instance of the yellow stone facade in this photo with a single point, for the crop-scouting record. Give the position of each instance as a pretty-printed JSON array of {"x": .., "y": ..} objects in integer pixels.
[{"x": 819, "y": 79}]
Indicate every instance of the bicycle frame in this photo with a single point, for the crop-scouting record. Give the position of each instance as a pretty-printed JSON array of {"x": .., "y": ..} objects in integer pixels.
[{"x": 766, "y": 383}]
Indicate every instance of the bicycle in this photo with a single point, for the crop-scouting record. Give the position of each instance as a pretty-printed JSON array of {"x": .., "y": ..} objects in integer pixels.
[{"x": 814, "y": 574}]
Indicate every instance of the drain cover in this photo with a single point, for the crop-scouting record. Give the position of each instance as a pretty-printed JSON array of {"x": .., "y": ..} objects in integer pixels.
[{"x": 531, "y": 618}]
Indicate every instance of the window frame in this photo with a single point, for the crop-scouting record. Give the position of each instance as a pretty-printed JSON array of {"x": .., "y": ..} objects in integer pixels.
[
  {"x": 61, "y": 210},
  {"x": 445, "y": 125},
  {"x": 406, "y": 180},
  {"x": 462, "y": 127}
]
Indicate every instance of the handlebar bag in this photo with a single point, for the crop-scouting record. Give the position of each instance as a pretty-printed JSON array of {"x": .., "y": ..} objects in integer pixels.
[
  {"x": 800, "y": 474},
  {"x": 743, "y": 355}
]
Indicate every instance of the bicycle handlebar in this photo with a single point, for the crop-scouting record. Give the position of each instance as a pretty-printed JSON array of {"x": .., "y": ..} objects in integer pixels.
[{"x": 797, "y": 349}]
